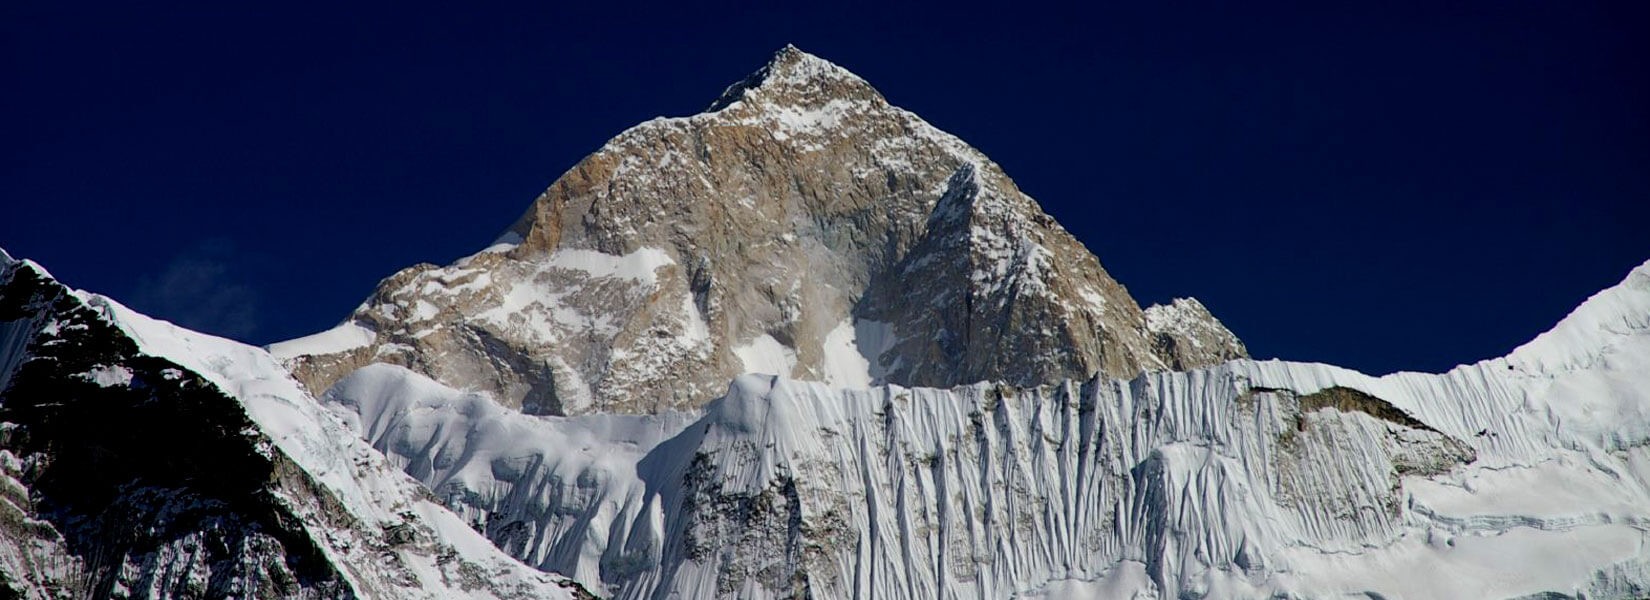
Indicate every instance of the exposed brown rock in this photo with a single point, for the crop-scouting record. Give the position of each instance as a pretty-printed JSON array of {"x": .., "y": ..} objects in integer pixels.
[{"x": 1346, "y": 399}]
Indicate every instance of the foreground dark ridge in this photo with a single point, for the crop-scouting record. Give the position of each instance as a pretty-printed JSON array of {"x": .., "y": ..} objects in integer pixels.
[{"x": 138, "y": 460}]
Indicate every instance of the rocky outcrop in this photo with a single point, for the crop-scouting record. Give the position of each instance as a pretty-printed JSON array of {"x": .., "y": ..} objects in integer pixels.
[
  {"x": 803, "y": 226},
  {"x": 1185, "y": 335}
]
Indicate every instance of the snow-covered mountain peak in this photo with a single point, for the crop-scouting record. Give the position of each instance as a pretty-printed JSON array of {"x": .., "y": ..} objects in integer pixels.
[
  {"x": 804, "y": 228},
  {"x": 796, "y": 78}
]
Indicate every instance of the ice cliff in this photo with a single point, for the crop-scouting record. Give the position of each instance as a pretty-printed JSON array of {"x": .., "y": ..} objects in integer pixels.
[{"x": 1515, "y": 476}]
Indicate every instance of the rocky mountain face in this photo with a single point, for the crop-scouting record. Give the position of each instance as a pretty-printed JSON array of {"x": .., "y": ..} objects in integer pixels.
[
  {"x": 141, "y": 461},
  {"x": 800, "y": 226}
]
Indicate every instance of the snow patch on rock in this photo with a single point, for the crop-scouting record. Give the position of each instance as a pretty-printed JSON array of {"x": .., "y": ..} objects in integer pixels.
[
  {"x": 853, "y": 353},
  {"x": 764, "y": 354},
  {"x": 109, "y": 376}
]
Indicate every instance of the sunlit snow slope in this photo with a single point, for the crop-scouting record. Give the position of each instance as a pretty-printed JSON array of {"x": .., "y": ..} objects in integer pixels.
[{"x": 1515, "y": 476}]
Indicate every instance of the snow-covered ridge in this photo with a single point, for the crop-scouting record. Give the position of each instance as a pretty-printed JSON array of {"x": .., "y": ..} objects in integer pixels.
[
  {"x": 358, "y": 477},
  {"x": 374, "y": 526},
  {"x": 345, "y": 337},
  {"x": 1619, "y": 312},
  {"x": 1208, "y": 483}
]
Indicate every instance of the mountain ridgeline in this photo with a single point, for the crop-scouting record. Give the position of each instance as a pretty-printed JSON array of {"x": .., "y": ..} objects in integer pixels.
[{"x": 800, "y": 226}]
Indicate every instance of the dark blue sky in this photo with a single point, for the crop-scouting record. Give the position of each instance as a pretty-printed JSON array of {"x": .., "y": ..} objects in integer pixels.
[{"x": 1396, "y": 188}]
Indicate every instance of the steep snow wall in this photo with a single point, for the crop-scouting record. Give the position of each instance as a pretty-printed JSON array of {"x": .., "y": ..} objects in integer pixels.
[{"x": 1514, "y": 476}]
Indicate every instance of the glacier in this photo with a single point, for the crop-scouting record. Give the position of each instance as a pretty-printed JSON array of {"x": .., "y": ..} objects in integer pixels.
[{"x": 1516, "y": 476}]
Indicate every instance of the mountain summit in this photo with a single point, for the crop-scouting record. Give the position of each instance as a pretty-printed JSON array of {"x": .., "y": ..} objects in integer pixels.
[
  {"x": 801, "y": 226},
  {"x": 801, "y": 76}
]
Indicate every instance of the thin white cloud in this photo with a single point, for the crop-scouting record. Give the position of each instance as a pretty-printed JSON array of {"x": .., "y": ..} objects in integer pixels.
[{"x": 199, "y": 289}]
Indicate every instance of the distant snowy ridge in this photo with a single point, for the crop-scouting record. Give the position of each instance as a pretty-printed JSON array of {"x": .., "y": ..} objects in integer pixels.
[{"x": 1511, "y": 477}]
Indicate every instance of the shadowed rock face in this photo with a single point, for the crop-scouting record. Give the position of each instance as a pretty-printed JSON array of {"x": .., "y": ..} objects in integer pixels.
[{"x": 800, "y": 225}]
